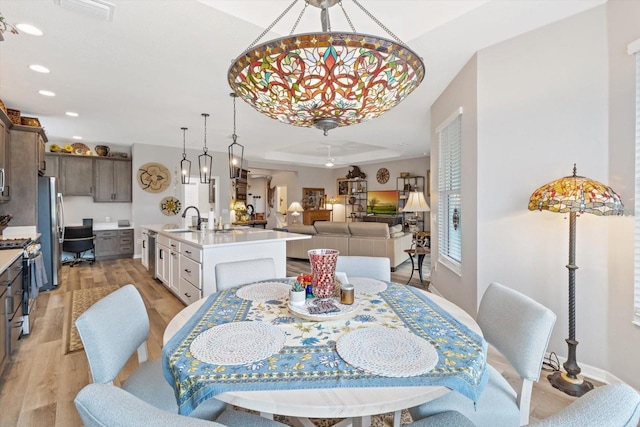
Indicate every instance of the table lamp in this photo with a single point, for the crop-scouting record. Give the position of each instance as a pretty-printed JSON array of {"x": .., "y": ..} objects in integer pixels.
[
  {"x": 332, "y": 200},
  {"x": 295, "y": 208},
  {"x": 575, "y": 195},
  {"x": 415, "y": 203}
]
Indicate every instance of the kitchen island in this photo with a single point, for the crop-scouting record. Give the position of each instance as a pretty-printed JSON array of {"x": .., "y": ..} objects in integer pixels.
[{"x": 186, "y": 259}]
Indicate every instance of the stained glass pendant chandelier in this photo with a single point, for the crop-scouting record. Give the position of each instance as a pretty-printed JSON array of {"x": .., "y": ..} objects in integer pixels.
[{"x": 327, "y": 79}]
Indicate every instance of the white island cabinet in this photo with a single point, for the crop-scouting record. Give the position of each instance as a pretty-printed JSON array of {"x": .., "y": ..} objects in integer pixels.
[{"x": 186, "y": 260}]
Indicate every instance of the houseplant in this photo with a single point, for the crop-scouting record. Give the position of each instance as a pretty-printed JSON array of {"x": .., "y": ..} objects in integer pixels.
[{"x": 297, "y": 293}]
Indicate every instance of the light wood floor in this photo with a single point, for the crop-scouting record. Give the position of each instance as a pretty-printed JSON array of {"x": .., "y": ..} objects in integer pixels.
[{"x": 37, "y": 388}]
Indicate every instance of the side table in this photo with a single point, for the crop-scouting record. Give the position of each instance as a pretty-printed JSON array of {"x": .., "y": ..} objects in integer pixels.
[{"x": 420, "y": 252}]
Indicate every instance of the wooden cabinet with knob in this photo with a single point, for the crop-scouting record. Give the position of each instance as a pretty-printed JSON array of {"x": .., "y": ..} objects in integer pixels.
[
  {"x": 5, "y": 137},
  {"x": 112, "y": 244},
  {"x": 76, "y": 175},
  {"x": 112, "y": 180},
  {"x": 25, "y": 143}
]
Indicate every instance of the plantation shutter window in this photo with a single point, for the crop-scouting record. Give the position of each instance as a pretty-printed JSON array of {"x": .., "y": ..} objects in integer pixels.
[
  {"x": 634, "y": 49},
  {"x": 449, "y": 190}
]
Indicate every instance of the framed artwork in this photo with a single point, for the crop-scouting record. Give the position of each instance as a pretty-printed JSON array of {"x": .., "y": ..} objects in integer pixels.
[
  {"x": 382, "y": 202},
  {"x": 312, "y": 198},
  {"x": 428, "y": 183},
  {"x": 343, "y": 187}
]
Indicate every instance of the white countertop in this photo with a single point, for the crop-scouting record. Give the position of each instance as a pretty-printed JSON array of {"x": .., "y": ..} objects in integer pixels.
[
  {"x": 102, "y": 226},
  {"x": 7, "y": 256},
  {"x": 239, "y": 236},
  {"x": 32, "y": 236}
]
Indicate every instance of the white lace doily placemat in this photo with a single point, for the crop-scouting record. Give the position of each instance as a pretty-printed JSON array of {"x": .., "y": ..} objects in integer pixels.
[
  {"x": 387, "y": 352},
  {"x": 366, "y": 285},
  {"x": 235, "y": 343},
  {"x": 345, "y": 310},
  {"x": 264, "y": 291}
]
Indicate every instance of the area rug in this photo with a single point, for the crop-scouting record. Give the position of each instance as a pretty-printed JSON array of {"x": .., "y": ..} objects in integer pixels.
[
  {"x": 381, "y": 420},
  {"x": 81, "y": 300}
]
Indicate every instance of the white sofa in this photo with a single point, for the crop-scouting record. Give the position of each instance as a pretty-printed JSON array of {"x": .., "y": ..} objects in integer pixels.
[{"x": 352, "y": 238}]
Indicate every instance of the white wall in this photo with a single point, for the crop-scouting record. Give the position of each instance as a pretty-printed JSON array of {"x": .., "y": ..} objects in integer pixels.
[
  {"x": 461, "y": 92},
  {"x": 146, "y": 205},
  {"x": 76, "y": 208},
  {"x": 558, "y": 95},
  {"x": 622, "y": 337},
  {"x": 542, "y": 106}
]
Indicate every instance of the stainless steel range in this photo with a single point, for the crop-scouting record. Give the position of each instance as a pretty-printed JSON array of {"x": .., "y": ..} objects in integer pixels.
[{"x": 17, "y": 319}]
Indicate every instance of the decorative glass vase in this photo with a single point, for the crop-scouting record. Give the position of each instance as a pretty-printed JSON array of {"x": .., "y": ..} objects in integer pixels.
[{"x": 323, "y": 270}]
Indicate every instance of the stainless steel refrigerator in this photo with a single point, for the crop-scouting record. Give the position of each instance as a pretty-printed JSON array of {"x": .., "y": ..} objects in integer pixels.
[{"x": 51, "y": 228}]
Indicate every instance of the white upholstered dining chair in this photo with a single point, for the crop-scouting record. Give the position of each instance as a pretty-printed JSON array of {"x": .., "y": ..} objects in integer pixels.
[
  {"x": 519, "y": 328},
  {"x": 101, "y": 405},
  {"x": 111, "y": 330},
  {"x": 365, "y": 266},
  {"x": 614, "y": 405},
  {"x": 235, "y": 273}
]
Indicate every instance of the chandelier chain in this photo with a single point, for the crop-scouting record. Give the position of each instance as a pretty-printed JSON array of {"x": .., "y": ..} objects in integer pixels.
[
  {"x": 374, "y": 19},
  {"x": 347, "y": 17},
  {"x": 271, "y": 26},
  {"x": 306, "y": 3},
  {"x": 184, "y": 143},
  {"x": 205, "y": 149},
  {"x": 234, "y": 136}
]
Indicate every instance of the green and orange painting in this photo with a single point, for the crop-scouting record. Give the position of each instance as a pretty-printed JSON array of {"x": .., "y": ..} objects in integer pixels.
[{"x": 384, "y": 202}]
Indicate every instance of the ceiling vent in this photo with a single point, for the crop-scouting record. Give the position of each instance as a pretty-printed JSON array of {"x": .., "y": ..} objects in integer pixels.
[{"x": 96, "y": 8}]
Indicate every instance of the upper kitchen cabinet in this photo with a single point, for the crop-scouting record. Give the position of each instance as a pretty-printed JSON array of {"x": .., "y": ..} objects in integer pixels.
[
  {"x": 112, "y": 180},
  {"x": 26, "y": 162},
  {"x": 4, "y": 157},
  {"x": 76, "y": 175},
  {"x": 52, "y": 163}
]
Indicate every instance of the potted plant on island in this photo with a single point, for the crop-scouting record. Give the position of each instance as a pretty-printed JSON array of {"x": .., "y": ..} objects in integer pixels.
[{"x": 297, "y": 293}]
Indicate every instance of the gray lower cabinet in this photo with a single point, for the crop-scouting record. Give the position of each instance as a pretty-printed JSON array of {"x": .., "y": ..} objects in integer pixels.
[
  {"x": 76, "y": 175},
  {"x": 112, "y": 244},
  {"x": 112, "y": 180}
]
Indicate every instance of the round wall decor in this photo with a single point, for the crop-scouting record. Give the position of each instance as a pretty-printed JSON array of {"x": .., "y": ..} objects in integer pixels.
[
  {"x": 382, "y": 176},
  {"x": 170, "y": 206},
  {"x": 154, "y": 177}
]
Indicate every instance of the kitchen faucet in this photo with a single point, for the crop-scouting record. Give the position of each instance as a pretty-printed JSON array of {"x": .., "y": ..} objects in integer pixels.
[{"x": 184, "y": 214}]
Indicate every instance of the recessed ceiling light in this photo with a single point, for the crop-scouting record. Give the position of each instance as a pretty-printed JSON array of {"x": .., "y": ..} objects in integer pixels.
[
  {"x": 72, "y": 114},
  {"x": 29, "y": 29},
  {"x": 77, "y": 137},
  {"x": 46, "y": 93},
  {"x": 39, "y": 68}
]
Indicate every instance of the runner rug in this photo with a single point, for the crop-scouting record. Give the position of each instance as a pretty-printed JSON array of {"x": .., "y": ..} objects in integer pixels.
[{"x": 81, "y": 300}]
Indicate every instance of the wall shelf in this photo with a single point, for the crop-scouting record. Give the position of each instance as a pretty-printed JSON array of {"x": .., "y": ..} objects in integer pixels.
[{"x": 354, "y": 192}]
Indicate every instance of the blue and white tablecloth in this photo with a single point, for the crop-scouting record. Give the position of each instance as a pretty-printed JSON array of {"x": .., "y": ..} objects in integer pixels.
[{"x": 309, "y": 359}]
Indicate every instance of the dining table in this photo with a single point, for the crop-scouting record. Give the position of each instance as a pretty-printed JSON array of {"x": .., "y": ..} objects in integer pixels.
[{"x": 395, "y": 347}]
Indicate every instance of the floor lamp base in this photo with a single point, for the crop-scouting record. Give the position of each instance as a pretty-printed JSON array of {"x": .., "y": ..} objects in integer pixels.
[{"x": 571, "y": 386}]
